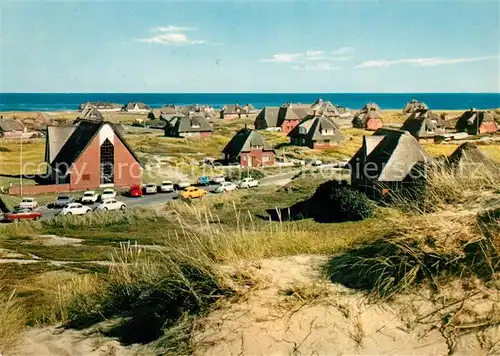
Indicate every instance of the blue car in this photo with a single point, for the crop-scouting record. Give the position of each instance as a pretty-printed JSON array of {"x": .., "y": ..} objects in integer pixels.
[{"x": 204, "y": 180}]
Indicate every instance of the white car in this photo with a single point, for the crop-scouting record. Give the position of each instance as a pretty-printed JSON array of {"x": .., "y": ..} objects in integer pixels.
[
  {"x": 28, "y": 203},
  {"x": 151, "y": 188},
  {"x": 108, "y": 194},
  {"x": 249, "y": 182},
  {"x": 167, "y": 186},
  {"x": 111, "y": 204},
  {"x": 218, "y": 179},
  {"x": 226, "y": 187},
  {"x": 183, "y": 183},
  {"x": 89, "y": 197},
  {"x": 75, "y": 209}
]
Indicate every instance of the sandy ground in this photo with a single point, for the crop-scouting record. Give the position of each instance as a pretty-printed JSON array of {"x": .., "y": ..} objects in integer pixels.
[{"x": 291, "y": 310}]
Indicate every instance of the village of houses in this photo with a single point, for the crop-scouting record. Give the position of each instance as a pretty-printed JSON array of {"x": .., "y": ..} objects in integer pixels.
[{"x": 109, "y": 147}]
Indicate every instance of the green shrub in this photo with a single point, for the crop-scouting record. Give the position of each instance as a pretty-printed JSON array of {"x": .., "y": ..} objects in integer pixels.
[
  {"x": 334, "y": 202},
  {"x": 237, "y": 174},
  {"x": 4, "y": 149}
]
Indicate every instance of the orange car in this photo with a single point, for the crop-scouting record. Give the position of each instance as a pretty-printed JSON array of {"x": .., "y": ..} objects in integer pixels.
[{"x": 193, "y": 192}]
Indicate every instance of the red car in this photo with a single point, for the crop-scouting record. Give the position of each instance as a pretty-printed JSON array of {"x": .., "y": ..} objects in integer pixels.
[
  {"x": 136, "y": 191},
  {"x": 23, "y": 214}
]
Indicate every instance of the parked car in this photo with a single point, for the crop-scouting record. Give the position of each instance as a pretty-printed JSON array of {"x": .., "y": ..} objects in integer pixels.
[
  {"x": 62, "y": 200},
  {"x": 316, "y": 163},
  {"x": 136, "y": 191},
  {"x": 249, "y": 182},
  {"x": 75, "y": 209},
  {"x": 225, "y": 187},
  {"x": 192, "y": 192},
  {"x": 89, "y": 197},
  {"x": 166, "y": 186},
  {"x": 151, "y": 188},
  {"x": 111, "y": 204},
  {"x": 203, "y": 180},
  {"x": 183, "y": 183},
  {"x": 219, "y": 178},
  {"x": 108, "y": 193},
  {"x": 23, "y": 214},
  {"x": 28, "y": 203}
]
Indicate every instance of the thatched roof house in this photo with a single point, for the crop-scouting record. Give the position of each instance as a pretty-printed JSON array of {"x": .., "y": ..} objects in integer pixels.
[
  {"x": 267, "y": 119},
  {"x": 414, "y": 105},
  {"x": 389, "y": 160},
  {"x": 14, "y": 129},
  {"x": 188, "y": 126},
  {"x": 136, "y": 107},
  {"x": 424, "y": 124},
  {"x": 250, "y": 149},
  {"x": 316, "y": 132},
  {"x": 371, "y": 106},
  {"x": 476, "y": 122},
  {"x": 467, "y": 159},
  {"x": 100, "y": 105},
  {"x": 370, "y": 119},
  {"x": 90, "y": 113},
  {"x": 324, "y": 108}
]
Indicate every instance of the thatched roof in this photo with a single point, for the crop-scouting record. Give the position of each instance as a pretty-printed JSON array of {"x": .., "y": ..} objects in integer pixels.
[
  {"x": 9, "y": 125},
  {"x": 267, "y": 117},
  {"x": 91, "y": 113},
  {"x": 472, "y": 119},
  {"x": 424, "y": 123},
  {"x": 99, "y": 105},
  {"x": 468, "y": 154},
  {"x": 180, "y": 124},
  {"x": 131, "y": 106},
  {"x": 391, "y": 153},
  {"x": 371, "y": 106},
  {"x": 77, "y": 141},
  {"x": 414, "y": 105},
  {"x": 318, "y": 128},
  {"x": 361, "y": 119},
  {"x": 325, "y": 108},
  {"x": 244, "y": 140}
]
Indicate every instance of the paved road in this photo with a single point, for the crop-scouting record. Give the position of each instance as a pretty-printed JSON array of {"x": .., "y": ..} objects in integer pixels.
[{"x": 162, "y": 198}]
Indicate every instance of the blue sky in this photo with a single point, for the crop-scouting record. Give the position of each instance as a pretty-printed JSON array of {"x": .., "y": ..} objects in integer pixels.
[{"x": 254, "y": 46}]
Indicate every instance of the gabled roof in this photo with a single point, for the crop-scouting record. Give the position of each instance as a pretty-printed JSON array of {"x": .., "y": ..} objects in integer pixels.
[
  {"x": 422, "y": 123},
  {"x": 131, "y": 106},
  {"x": 392, "y": 155},
  {"x": 361, "y": 119},
  {"x": 371, "y": 106},
  {"x": 413, "y": 106},
  {"x": 231, "y": 109},
  {"x": 269, "y": 115},
  {"x": 473, "y": 118},
  {"x": 318, "y": 128},
  {"x": 243, "y": 140},
  {"x": 80, "y": 138},
  {"x": 325, "y": 108},
  {"x": 91, "y": 113},
  {"x": 189, "y": 124},
  {"x": 468, "y": 154},
  {"x": 249, "y": 108},
  {"x": 7, "y": 125},
  {"x": 55, "y": 139},
  {"x": 99, "y": 105}
]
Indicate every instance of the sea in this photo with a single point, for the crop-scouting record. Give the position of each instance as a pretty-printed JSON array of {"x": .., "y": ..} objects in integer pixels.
[{"x": 70, "y": 101}]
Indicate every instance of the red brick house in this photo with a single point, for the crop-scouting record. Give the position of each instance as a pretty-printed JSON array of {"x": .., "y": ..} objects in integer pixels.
[
  {"x": 188, "y": 126},
  {"x": 369, "y": 120},
  {"x": 476, "y": 122},
  {"x": 249, "y": 149},
  {"x": 316, "y": 132},
  {"x": 282, "y": 119},
  {"x": 90, "y": 155}
]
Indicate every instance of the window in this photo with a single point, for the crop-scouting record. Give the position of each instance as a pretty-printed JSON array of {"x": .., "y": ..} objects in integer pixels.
[
  {"x": 256, "y": 147},
  {"x": 327, "y": 141},
  {"x": 86, "y": 177},
  {"x": 266, "y": 159},
  {"x": 107, "y": 162}
]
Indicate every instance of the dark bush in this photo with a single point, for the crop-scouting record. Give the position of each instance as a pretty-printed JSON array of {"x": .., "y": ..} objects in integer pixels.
[
  {"x": 334, "y": 202},
  {"x": 240, "y": 173},
  {"x": 4, "y": 149}
]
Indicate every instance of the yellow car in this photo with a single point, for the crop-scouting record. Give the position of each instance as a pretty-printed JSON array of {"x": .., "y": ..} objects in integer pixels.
[{"x": 193, "y": 192}]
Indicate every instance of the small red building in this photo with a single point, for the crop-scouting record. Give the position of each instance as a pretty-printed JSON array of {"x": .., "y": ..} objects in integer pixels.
[
  {"x": 282, "y": 119},
  {"x": 249, "y": 149},
  {"x": 90, "y": 155}
]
